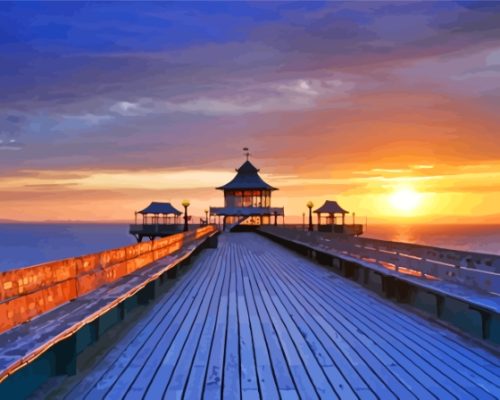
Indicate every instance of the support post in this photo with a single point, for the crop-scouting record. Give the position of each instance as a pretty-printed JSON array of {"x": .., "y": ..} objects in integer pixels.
[
  {"x": 310, "y": 206},
  {"x": 65, "y": 355}
]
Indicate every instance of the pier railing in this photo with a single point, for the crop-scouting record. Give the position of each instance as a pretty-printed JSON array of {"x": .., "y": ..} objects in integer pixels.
[
  {"x": 476, "y": 270},
  {"x": 28, "y": 292},
  {"x": 459, "y": 288},
  {"x": 349, "y": 229}
]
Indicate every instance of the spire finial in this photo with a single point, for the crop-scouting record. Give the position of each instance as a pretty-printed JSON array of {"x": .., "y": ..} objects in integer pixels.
[{"x": 247, "y": 152}]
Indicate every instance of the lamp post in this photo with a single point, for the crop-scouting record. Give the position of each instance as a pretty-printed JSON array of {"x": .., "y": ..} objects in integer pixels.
[
  {"x": 185, "y": 203},
  {"x": 310, "y": 206},
  {"x": 206, "y": 216}
]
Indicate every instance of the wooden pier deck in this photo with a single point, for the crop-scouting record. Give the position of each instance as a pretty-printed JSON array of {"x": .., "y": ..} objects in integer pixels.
[{"x": 254, "y": 320}]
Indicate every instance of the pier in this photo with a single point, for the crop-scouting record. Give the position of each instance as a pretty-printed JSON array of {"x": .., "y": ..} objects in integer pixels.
[{"x": 251, "y": 318}]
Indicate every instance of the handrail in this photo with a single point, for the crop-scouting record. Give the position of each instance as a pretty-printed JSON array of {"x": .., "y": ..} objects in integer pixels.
[
  {"x": 477, "y": 270},
  {"x": 31, "y": 291}
]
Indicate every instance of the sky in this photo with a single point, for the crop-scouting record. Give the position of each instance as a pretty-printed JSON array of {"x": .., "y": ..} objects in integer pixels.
[{"x": 390, "y": 108}]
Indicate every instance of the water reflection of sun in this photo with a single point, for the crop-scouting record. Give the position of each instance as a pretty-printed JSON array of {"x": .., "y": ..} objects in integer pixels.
[{"x": 405, "y": 200}]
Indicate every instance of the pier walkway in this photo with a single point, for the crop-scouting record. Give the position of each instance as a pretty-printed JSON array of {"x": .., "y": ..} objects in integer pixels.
[{"x": 252, "y": 319}]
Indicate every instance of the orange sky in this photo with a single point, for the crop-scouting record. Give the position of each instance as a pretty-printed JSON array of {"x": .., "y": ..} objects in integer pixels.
[{"x": 443, "y": 193}]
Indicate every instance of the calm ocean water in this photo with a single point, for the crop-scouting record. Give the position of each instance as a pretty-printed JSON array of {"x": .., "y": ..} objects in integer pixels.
[
  {"x": 478, "y": 238},
  {"x": 28, "y": 244}
]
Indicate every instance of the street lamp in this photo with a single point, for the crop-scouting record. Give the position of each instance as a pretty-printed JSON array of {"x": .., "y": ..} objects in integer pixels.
[
  {"x": 206, "y": 216},
  {"x": 310, "y": 206},
  {"x": 185, "y": 203}
]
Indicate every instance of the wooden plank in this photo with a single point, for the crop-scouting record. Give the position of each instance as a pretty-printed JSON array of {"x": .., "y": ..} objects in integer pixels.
[
  {"x": 347, "y": 355},
  {"x": 204, "y": 322},
  {"x": 448, "y": 376},
  {"x": 381, "y": 372},
  {"x": 149, "y": 322},
  {"x": 231, "y": 380},
  {"x": 351, "y": 355},
  {"x": 267, "y": 384},
  {"x": 249, "y": 381},
  {"x": 215, "y": 368},
  {"x": 309, "y": 358},
  {"x": 320, "y": 344},
  {"x": 303, "y": 381},
  {"x": 155, "y": 366},
  {"x": 125, "y": 369},
  {"x": 279, "y": 365},
  {"x": 409, "y": 344},
  {"x": 194, "y": 385},
  {"x": 430, "y": 353}
]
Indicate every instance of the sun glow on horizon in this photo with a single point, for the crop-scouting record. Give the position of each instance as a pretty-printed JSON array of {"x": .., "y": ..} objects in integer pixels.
[{"x": 405, "y": 200}]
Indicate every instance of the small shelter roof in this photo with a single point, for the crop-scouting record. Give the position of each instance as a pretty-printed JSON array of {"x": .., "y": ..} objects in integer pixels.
[
  {"x": 247, "y": 178},
  {"x": 160, "y": 208},
  {"x": 331, "y": 207}
]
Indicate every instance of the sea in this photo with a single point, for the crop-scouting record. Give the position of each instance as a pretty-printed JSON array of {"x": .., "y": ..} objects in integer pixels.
[{"x": 25, "y": 244}]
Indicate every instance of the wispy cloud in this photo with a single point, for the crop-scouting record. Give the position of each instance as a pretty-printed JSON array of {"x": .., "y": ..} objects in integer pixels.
[
  {"x": 11, "y": 145},
  {"x": 88, "y": 118},
  {"x": 292, "y": 95}
]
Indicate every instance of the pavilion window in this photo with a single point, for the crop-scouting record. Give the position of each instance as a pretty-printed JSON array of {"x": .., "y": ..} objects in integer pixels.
[
  {"x": 247, "y": 198},
  {"x": 257, "y": 198},
  {"x": 238, "y": 199},
  {"x": 265, "y": 198}
]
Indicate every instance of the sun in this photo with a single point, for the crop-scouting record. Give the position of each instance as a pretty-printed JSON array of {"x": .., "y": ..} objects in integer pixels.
[{"x": 405, "y": 199}]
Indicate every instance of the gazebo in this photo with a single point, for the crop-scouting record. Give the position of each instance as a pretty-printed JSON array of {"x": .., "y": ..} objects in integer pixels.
[
  {"x": 332, "y": 210},
  {"x": 247, "y": 199},
  {"x": 158, "y": 220}
]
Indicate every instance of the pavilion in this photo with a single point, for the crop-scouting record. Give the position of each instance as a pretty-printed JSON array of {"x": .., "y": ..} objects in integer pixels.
[
  {"x": 247, "y": 199},
  {"x": 331, "y": 224},
  {"x": 158, "y": 220}
]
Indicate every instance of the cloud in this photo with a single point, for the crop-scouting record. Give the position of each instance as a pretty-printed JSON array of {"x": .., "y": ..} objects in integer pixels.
[
  {"x": 109, "y": 180},
  {"x": 132, "y": 109},
  {"x": 9, "y": 142},
  {"x": 467, "y": 73},
  {"x": 11, "y": 146},
  {"x": 493, "y": 58},
  {"x": 291, "y": 95},
  {"x": 88, "y": 119}
]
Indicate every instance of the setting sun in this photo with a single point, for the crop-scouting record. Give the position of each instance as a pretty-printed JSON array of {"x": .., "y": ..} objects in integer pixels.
[{"x": 405, "y": 199}]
